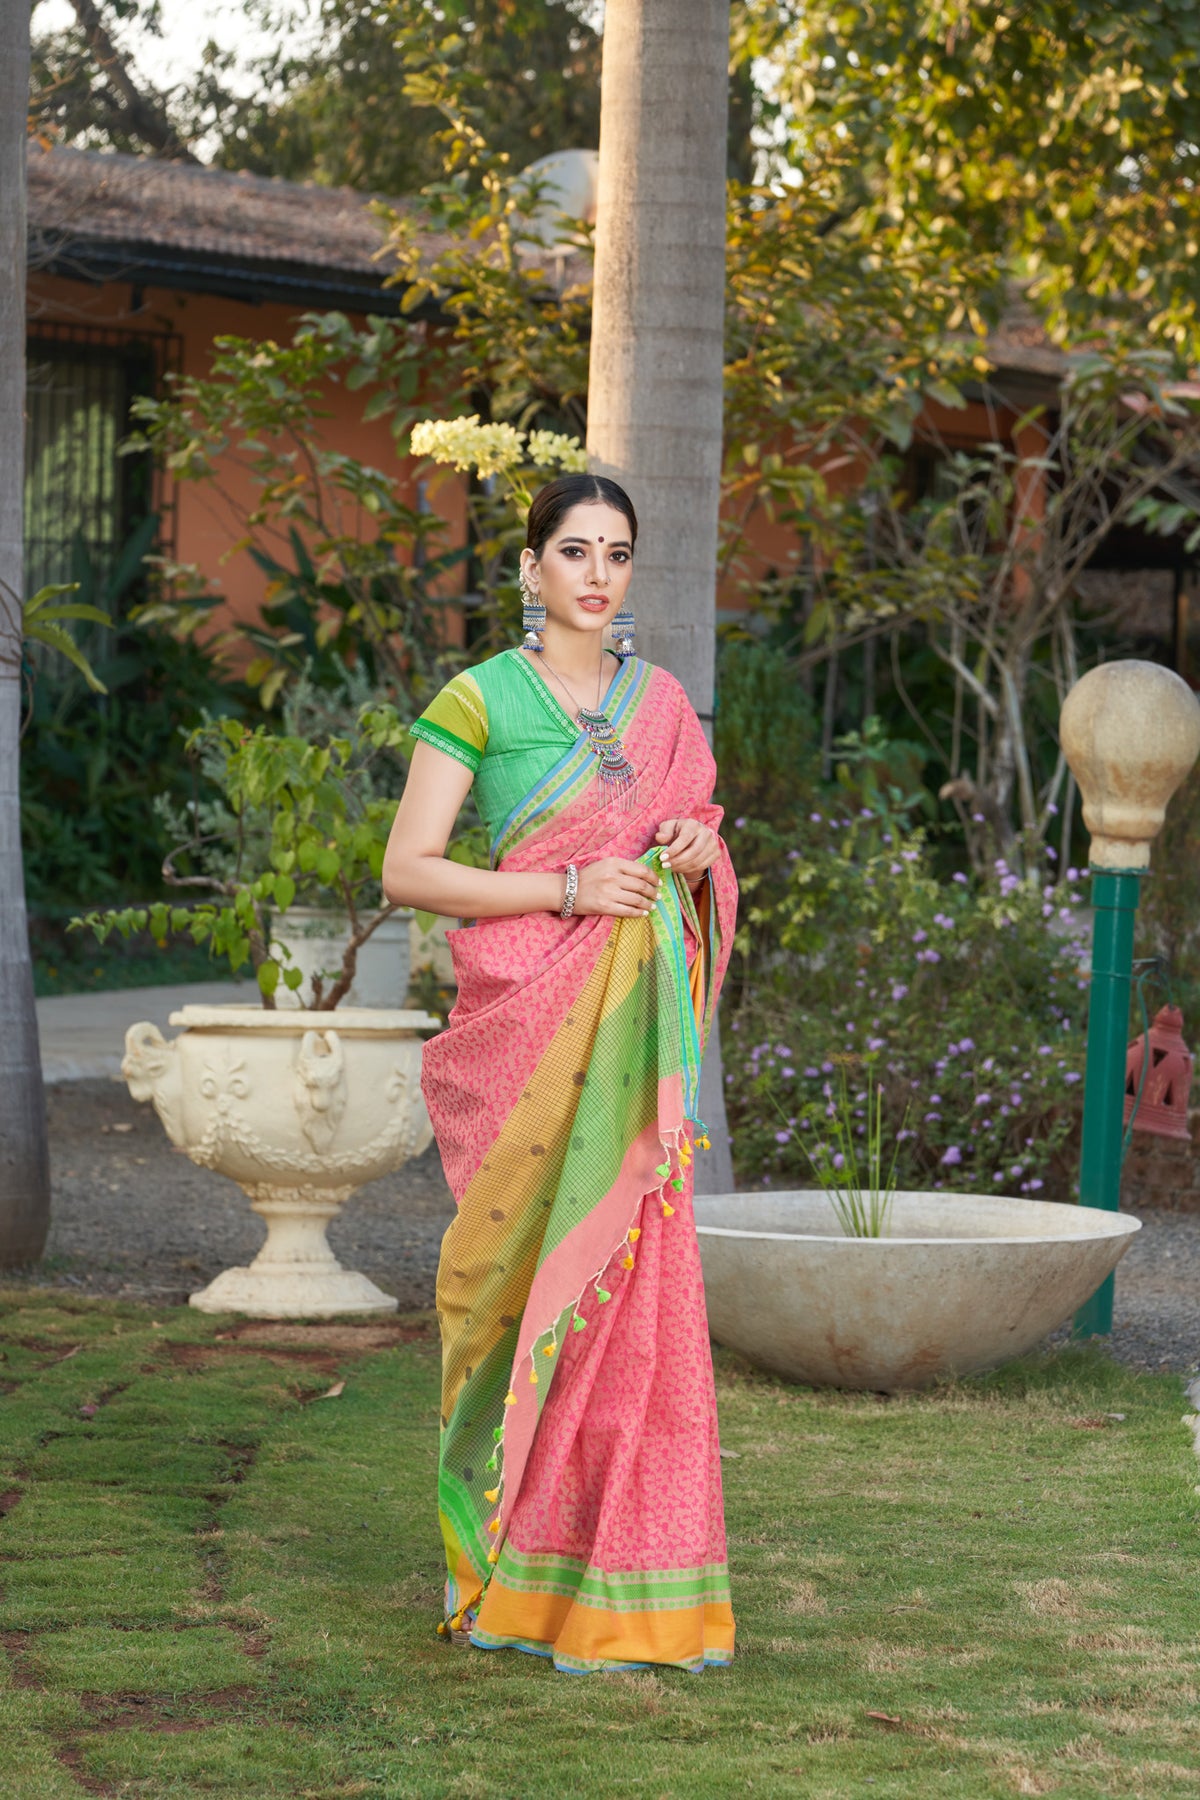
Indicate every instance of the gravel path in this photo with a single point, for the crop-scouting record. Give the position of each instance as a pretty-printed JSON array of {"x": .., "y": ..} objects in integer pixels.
[{"x": 133, "y": 1217}]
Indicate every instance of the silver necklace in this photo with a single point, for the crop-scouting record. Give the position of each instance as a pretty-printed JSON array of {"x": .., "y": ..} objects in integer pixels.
[{"x": 618, "y": 777}]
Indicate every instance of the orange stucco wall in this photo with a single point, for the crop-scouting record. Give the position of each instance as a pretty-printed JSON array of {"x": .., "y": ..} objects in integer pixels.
[{"x": 209, "y": 517}]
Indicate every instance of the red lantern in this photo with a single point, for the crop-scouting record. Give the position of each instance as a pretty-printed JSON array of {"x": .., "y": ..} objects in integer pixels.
[{"x": 1164, "y": 1103}]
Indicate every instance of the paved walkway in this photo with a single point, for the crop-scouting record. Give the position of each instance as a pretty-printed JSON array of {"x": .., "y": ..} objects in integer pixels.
[{"x": 83, "y": 1035}]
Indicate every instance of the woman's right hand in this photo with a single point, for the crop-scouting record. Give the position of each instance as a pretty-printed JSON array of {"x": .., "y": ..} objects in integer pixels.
[{"x": 621, "y": 889}]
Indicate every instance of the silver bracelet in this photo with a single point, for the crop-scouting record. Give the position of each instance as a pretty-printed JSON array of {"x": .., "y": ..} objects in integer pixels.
[{"x": 568, "y": 905}]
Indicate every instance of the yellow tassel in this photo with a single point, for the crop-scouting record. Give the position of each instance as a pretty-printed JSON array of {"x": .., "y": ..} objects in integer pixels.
[
  {"x": 510, "y": 1399},
  {"x": 442, "y": 1628},
  {"x": 533, "y": 1377},
  {"x": 491, "y": 1494},
  {"x": 668, "y": 1210},
  {"x": 493, "y": 1556},
  {"x": 704, "y": 1142},
  {"x": 549, "y": 1349},
  {"x": 635, "y": 1234},
  {"x": 627, "y": 1262},
  {"x": 493, "y": 1524}
]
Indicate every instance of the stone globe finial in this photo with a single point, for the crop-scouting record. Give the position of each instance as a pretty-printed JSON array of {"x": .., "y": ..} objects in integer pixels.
[{"x": 1130, "y": 732}]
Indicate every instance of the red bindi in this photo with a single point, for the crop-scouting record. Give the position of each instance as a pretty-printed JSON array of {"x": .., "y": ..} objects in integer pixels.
[{"x": 599, "y": 540}]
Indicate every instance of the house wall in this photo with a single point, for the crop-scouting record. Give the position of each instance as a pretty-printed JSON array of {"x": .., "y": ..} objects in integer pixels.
[{"x": 209, "y": 517}]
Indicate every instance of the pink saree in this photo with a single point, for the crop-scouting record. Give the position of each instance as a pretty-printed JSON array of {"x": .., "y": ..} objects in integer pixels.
[{"x": 580, "y": 1482}]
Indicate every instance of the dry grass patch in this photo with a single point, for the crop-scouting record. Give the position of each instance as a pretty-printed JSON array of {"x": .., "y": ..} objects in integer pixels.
[{"x": 804, "y": 1597}]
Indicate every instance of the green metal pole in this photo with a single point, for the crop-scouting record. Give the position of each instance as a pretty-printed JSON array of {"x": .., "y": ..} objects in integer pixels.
[{"x": 1115, "y": 902}]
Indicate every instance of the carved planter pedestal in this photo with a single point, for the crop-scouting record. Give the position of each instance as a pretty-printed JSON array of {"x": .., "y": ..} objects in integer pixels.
[{"x": 299, "y": 1108}]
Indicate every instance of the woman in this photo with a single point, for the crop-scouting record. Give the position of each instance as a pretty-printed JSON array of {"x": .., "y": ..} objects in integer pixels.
[{"x": 580, "y": 1483}]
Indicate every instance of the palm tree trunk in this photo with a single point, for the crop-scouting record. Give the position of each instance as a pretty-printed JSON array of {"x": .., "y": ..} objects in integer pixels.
[
  {"x": 655, "y": 382},
  {"x": 24, "y": 1169}
]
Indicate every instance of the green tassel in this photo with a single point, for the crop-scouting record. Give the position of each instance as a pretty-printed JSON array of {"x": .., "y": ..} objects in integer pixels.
[
  {"x": 492, "y": 1462},
  {"x": 498, "y": 1432},
  {"x": 602, "y": 1294},
  {"x": 677, "y": 1184},
  {"x": 662, "y": 1168},
  {"x": 577, "y": 1323}
]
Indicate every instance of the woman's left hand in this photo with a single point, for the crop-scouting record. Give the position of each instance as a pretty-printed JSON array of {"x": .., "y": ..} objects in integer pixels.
[{"x": 689, "y": 848}]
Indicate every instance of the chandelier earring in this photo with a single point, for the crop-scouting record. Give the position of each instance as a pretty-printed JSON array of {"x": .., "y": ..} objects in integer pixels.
[
  {"x": 533, "y": 616},
  {"x": 623, "y": 630}
]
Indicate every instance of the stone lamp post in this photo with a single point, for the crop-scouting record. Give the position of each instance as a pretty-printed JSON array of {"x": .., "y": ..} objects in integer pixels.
[{"x": 1130, "y": 732}]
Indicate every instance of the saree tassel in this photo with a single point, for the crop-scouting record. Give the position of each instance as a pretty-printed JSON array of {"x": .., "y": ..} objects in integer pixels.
[
  {"x": 510, "y": 1399},
  {"x": 493, "y": 1556},
  {"x": 549, "y": 1349},
  {"x": 677, "y": 1184},
  {"x": 578, "y": 1324},
  {"x": 491, "y": 1495},
  {"x": 533, "y": 1380},
  {"x": 492, "y": 1462},
  {"x": 493, "y": 1525},
  {"x": 668, "y": 1210},
  {"x": 602, "y": 1294},
  {"x": 635, "y": 1234},
  {"x": 627, "y": 1262}
]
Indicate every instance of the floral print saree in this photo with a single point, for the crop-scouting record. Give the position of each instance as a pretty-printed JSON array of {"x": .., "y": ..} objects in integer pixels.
[{"x": 579, "y": 1480}]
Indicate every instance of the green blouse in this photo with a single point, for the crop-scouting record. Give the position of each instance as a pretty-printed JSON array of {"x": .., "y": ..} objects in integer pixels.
[{"x": 501, "y": 721}]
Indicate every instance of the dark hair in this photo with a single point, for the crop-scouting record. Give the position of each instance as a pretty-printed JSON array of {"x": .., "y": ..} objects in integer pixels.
[{"x": 553, "y": 502}]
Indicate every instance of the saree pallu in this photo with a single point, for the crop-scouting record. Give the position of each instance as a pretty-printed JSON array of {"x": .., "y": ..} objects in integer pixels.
[{"x": 579, "y": 1481}]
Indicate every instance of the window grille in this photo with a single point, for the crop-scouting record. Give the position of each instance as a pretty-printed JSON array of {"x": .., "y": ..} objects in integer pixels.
[{"x": 80, "y": 385}]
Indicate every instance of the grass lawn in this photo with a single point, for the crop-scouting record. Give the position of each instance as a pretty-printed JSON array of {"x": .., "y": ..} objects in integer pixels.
[{"x": 215, "y": 1582}]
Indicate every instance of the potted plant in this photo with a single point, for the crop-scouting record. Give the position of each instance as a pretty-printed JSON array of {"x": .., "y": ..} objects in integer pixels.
[{"x": 299, "y": 1105}]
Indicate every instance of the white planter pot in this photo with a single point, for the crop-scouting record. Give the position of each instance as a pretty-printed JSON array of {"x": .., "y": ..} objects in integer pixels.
[
  {"x": 317, "y": 941},
  {"x": 961, "y": 1283},
  {"x": 299, "y": 1108}
]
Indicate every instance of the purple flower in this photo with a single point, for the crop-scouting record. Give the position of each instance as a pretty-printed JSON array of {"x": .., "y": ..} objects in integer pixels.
[
  {"x": 787, "y": 1072},
  {"x": 935, "y": 1099},
  {"x": 1071, "y": 1075},
  {"x": 895, "y": 869},
  {"x": 1051, "y": 852},
  {"x": 738, "y": 823},
  {"x": 959, "y": 877},
  {"x": 953, "y": 1155},
  {"x": 876, "y": 1043},
  {"x": 849, "y": 1024},
  {"x": 928, "y": 956},
  {"x": 1044, "y": 1050},
  {"x": 966, "y": 1044},
  {"x": 982, "y": 1099},
  {"x": 811, "y": 1074},
  {"x": 1053, "y": 811},
  {"x": 815, "y": 818},
  {"x": 839, "y": 1161},
  {"x": 783, "y": 1137},
  {"x": 919, "y": 936},
  {"x": 827, "y": 1069},
  {"x": 932, "y": 1118},
  {"x": 1035, "y": 1184},
  {"x": 899, "y": 991},
  {"x": 978, "y": 818}
]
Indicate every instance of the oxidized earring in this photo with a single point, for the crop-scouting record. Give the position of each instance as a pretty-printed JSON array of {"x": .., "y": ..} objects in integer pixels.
[
  {"x": 533, "y": 616},
  {"x": 623, "y": 631}
]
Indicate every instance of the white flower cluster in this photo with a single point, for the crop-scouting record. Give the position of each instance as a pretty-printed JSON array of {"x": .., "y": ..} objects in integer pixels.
[
  {"x": 490, "y": 449},
  {"x": 551, "y": 449},
  {"x": 466, "y": 444}
]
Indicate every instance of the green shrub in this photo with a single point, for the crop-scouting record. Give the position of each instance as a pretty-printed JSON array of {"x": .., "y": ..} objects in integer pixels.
[{"x": 966, "y": 1001}]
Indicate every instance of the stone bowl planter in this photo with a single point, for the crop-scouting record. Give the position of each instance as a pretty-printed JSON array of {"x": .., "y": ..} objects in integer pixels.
[
  {"x": 299, "y": 1108},
  {"x": 961, "y": 1283},
  {"x": 317, "y": 940}
]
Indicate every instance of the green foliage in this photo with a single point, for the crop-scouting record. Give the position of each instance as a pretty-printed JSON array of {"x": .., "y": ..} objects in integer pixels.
[
  {"x": 355, "y": 572},
  {"x": 92, "y": 769},
  {"x": 295, "y": 820},
  {"x": 1065, "y": 139},
  {"x": 967, "y": 1002}
]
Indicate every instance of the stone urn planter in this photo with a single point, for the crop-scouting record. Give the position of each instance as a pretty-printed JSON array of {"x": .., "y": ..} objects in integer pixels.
[
  {"x": 317, "y": 939},
  {"x": 299, "y": 1108},
  {"x": 961, "y": 1283}
]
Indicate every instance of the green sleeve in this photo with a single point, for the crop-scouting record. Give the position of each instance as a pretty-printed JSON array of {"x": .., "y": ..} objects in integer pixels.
[{"x": 456, "y": 722}]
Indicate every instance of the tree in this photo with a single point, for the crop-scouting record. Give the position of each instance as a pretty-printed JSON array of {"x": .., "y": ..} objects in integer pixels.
[
  {"x": 657, "y": 350},
  {"x": 24, "y": 1164},
  {"x": 1064, "y": 137}
]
